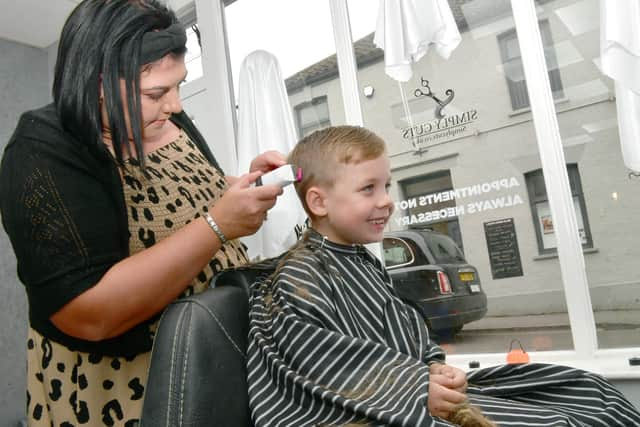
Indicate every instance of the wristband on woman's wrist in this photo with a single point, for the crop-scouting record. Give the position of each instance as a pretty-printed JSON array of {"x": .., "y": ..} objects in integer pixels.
[{"x": 215, "y": 228}]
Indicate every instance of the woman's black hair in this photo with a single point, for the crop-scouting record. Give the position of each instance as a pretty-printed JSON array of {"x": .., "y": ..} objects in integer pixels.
[{"x": 101, "y": 43}]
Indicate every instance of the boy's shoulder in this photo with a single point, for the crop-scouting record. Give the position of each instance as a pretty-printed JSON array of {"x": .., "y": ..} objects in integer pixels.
[
  {"x": 305, "y": 259},
  {"x": 303, "y": 254}
]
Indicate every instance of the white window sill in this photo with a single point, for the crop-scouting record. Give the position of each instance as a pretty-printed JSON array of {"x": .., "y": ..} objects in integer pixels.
[
  {"x": 611, "y": 363},
  {"x": 555, "y": 254}
]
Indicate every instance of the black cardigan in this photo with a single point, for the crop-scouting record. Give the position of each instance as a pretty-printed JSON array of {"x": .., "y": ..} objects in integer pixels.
[{"x": 63, "y": 208}]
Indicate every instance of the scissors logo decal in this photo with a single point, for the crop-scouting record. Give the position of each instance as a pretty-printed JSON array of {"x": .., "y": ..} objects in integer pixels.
[{"x": 441, "y": 104}]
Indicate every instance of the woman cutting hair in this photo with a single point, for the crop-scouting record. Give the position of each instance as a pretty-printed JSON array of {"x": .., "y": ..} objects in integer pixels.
[{"x": 115, "y": 207}]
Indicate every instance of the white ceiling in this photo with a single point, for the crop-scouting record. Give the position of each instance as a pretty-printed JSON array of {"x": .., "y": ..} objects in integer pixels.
[{"x": 35, "y": 23}]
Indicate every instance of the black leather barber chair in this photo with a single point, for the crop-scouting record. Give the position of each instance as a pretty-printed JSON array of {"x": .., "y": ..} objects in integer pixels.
[{"x": 197, "y": 376}]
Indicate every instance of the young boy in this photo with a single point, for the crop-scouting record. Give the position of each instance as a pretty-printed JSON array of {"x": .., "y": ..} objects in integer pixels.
[{"x": 331, "y": 344}]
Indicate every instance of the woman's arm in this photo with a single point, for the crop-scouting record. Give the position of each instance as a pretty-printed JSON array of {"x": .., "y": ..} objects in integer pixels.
[{"x": 138, "y": 287}]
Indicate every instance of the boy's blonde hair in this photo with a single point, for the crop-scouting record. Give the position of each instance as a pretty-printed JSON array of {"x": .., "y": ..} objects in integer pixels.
[{"x": 319, "y": 154}]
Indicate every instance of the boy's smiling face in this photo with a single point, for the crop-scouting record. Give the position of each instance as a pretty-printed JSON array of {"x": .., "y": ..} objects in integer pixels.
[{"x": 358, "y": 206}]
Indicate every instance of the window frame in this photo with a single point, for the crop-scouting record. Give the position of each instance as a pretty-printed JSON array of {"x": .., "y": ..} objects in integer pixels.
[
  {"x": 319, "y": 124},
  {"x": 534, "y": 200},
  {"x": 518, "y": 93},
  {"x": 455, "y": 233}
]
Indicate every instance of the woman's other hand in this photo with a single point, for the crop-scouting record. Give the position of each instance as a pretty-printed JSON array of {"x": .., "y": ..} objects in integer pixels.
[
  {"x": 268, "y": 161},
  {"x": 243, "y": 207}
]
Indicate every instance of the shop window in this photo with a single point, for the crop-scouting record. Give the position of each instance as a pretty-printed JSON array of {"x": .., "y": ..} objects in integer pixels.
[
  {"x": 436, "y": 204},
  {"x": 514, "y": 71},
  {"x": 311, "y": 116},
  {"x": 542, "y": 219}
]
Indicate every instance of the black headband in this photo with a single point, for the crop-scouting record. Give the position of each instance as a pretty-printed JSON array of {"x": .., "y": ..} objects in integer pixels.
[{"x": 156, "y": 44}]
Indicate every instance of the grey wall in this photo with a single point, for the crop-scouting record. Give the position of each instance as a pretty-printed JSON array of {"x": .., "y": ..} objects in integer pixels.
[{"x": 24, "y": 85}]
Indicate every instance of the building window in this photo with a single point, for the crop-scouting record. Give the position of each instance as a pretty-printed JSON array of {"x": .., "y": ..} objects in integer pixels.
[
  {"x": 542, "y": 219},
  {"x": 312, "y": 116},
  {"x": 433, "y": 193},
  {"x": 514, "y": 71}
]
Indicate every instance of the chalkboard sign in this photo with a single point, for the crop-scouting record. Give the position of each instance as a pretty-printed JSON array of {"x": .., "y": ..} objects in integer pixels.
[{"x": 502, "y": 243}]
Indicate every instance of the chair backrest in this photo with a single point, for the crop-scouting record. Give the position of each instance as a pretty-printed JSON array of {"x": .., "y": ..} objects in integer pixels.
[
  {"x": 244, "y": 276},
  {"x": 197, "y": 375}
]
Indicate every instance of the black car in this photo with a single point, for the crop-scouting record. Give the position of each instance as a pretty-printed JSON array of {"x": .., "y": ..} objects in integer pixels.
[{"x": 430, "y": 270}]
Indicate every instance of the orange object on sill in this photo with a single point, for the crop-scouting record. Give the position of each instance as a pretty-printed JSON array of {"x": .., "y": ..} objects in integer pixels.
[{"x": 517, "y": 355}]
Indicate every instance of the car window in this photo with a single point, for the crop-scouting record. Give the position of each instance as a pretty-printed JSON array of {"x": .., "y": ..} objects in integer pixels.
[
  {"x": 396, "y": 252},
  {"x": 443, "y": 248}
]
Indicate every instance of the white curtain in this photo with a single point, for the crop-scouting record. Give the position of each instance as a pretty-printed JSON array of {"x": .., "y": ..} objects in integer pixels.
[
  {"x": 620, "y": 55},
  {"x": 265, "y": 123},
  {"x": 406, "y": 29}
]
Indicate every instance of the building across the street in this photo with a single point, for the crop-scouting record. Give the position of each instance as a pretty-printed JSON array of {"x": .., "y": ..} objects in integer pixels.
[{"x": 465, "y": 157}]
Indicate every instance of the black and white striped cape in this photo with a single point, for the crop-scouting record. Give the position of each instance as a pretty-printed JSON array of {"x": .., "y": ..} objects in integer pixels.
[{"x": 331, "y": 344}]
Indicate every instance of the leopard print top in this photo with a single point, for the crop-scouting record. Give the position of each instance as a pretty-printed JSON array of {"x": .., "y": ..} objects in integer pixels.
[{"x": 67, "y": 388}]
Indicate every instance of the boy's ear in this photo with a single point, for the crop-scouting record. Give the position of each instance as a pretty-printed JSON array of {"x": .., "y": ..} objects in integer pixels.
[{"x": 315, "y": 199}]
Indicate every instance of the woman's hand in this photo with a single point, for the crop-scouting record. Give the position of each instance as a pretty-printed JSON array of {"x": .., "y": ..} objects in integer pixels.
[
  {"x": 267, "y": 161},
  {"x": 243, "y": 208},
  {"x": 442, "y": 398},
  {"x": 457, "y": 376}
]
